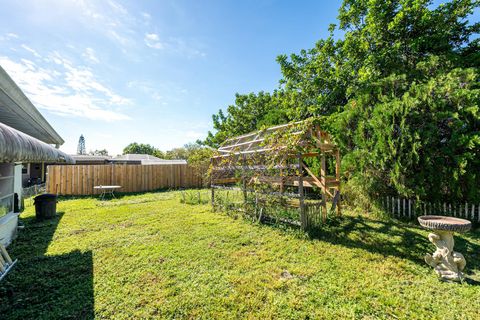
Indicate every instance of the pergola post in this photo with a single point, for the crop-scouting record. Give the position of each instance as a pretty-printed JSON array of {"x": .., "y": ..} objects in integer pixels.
[
  {"x": 323, "y": 179},
  {"x": 270, "y": 165},
  {"x": 337, "y": 177},
  {"x": 301, "y": 192},
  {"x": 211, "y": 184},
  {"x": 244, "y": 180},
  {"x": 282, "y": 180}
]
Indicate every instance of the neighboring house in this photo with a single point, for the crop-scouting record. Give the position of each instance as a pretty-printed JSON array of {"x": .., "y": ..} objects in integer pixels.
[
  {"x": 25, "y": 137},
  {"x": 34, "y": 173},
  {"x": 163, "y": 161},
  {"x": 90, "y": 159},
  {"x": 144, "y": 159}
]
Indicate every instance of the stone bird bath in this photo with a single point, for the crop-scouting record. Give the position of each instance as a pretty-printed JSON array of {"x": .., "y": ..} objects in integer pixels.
[{"x": 448, "y": 264}]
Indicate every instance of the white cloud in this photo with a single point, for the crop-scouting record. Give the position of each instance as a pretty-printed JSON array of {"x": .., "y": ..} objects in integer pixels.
[
  {"x": 109, "y": 18},
  {"x": 182, "y": 47},
  {"x": 148, "y": 89},
  {"x": 152, "y": 40},
  {"x": 35, "y": 53},
  {"x": 127, "y": 29},
  {"x": 146, "y": 16},
  {"x": 8, "y": 36},
  {"x": 124, "y": 41},
  {"x": 152, "y": 37},
  {"x": 118, "y": 8},
  {"x": 68, "y": 90},
  {"x": 90, "y": 55},
  {"x": 176, "y": 45}
]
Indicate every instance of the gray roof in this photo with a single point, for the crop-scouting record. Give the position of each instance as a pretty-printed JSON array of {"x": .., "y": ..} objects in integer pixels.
[
  {"x": 162, "y": 161},
  {"x": 134, "y": 157},
  {"x": 16, "y": 146},
  {"x": 145, "y": 159},
  {"x": 88, "y": 157},
  {"x": 17, "y": 112}
]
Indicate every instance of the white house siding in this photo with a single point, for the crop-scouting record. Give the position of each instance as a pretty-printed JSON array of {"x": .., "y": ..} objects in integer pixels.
[
  {"x": 18, "y": 182},
  {"x": 8, "y": 219},
  {"x": 8, "y": 228}
]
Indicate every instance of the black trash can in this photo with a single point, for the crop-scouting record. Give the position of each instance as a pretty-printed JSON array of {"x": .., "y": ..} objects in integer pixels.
[{"x": 45, "y": 206}]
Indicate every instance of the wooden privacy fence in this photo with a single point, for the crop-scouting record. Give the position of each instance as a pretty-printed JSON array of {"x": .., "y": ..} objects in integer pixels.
[
  {"x": 408, "y": 208},
  {"x": 80, "y": 179}
]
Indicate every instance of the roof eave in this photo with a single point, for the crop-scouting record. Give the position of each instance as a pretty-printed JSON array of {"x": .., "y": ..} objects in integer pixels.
[
  {"x": 29, "y": 112},
  {"x": 16, "y": 146}
]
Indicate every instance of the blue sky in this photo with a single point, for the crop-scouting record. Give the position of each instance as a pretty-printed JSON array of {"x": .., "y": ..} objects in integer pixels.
[{"x": 149, "y": 71}]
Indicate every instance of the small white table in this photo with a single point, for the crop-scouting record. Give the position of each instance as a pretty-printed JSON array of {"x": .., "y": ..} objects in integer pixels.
[{"x": 107, "y": 190}]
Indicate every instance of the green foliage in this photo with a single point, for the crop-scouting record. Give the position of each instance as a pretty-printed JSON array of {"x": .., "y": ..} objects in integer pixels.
[
  {"x": 102, "y": 152},
  {"x": 195, "y": 197},
  {"x": 3, "y": 210},
  {"x": 398, "y": 90},
  {"x": 189, "y": 152},
  {"x": 148, "y": 256},
  {"x": 416, "y": 139},
  {"x": 250, "y": 112},
  {"x": 140, "y": 148},
  {"x": 196, "y": 154},
  {"x": 198, "y": 157}
]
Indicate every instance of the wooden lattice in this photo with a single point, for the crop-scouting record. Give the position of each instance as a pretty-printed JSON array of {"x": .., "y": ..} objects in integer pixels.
[{"x": 274, "y": 161}]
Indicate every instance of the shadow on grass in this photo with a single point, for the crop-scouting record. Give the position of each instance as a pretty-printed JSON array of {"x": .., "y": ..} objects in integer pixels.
[
  {"x": 46, "y": 286},
  {"x": 391, "y": 237},
  {"x": 388, "y": 238}
]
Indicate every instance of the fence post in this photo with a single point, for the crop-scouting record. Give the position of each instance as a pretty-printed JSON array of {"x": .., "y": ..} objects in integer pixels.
[
  {"x": 399, "y": 207},
  {"x": 409, "y": 208}
]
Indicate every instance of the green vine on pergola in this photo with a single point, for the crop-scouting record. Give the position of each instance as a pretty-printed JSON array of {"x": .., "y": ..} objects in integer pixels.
[{"x": 272, "y": 164}]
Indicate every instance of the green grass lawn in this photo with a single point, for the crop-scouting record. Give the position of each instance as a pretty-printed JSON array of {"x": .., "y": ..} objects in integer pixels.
[{"x": 150, "y": 256}]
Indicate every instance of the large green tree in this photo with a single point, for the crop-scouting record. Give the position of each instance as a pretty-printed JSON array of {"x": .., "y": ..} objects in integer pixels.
[
  {"x": 411, "y": 123},
  {"x": 250, "y": 112},
  {"x": 96, "y": 152},
  {"x": 396, "y": 83},
  {"x": 141, "y": 148}
]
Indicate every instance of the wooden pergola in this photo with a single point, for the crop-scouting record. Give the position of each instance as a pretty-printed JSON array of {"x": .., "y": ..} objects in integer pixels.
[{"x": 287, "y": 161}]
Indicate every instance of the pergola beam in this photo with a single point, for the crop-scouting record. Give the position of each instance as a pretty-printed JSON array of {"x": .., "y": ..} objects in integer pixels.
[{"x": 278, "y": 163}]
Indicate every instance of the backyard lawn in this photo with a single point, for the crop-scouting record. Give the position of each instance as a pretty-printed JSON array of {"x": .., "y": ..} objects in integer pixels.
[{"x": 148, "y": 256}]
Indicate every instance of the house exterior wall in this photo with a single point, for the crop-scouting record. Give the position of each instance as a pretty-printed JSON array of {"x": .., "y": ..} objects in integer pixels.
[
  {"x": 8, "y": 219},
  {"x": 25, "y": 136},
  {"x": 18, "y": 182},
  {"x": 36, "y": 171}
]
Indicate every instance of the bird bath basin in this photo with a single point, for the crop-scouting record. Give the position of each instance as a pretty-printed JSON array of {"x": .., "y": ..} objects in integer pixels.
[{"x": 448, "y": 264}]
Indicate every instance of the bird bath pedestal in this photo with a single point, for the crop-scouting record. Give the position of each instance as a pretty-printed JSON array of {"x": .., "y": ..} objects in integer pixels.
[{"x": 447, "y": 263}]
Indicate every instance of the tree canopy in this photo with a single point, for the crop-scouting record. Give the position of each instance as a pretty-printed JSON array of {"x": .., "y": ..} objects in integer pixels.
[
  {"x": 102, "y": 152},
  {"x": 196, "y": 154},
  {"x": 140, "y": 148},
  {"x": 398, "y": 90}
]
